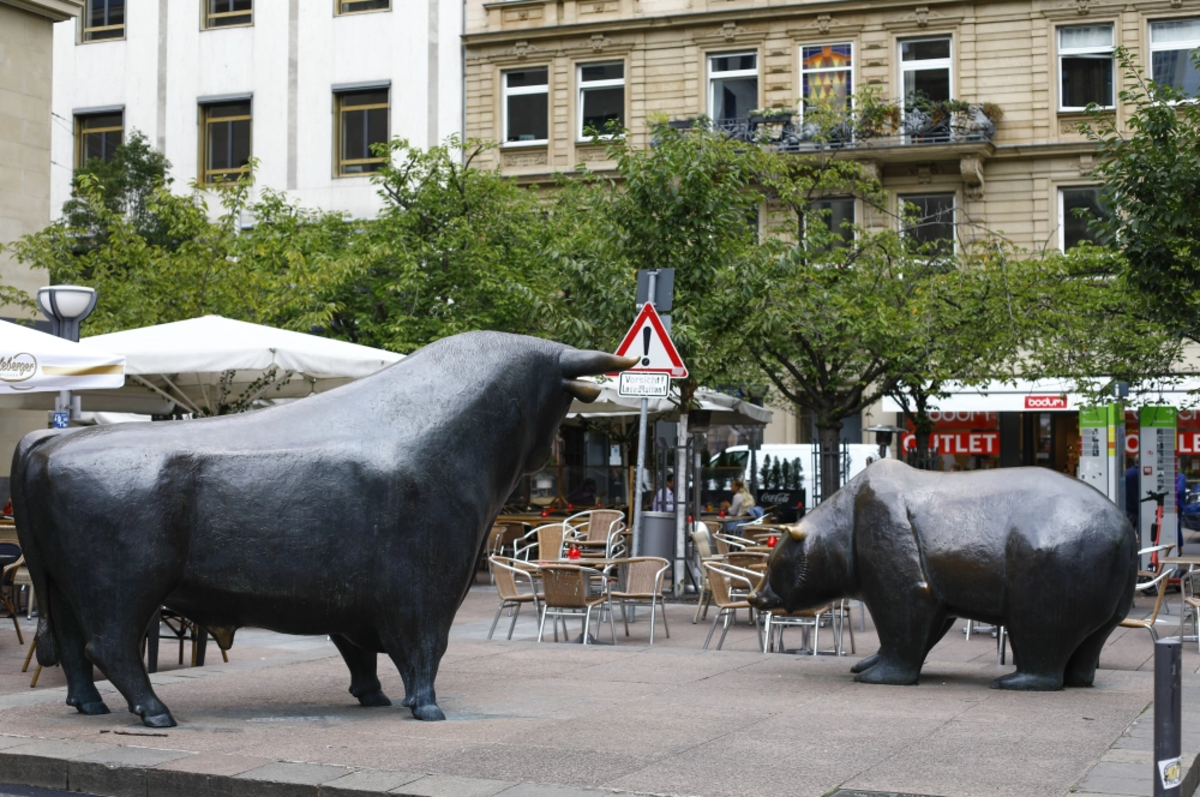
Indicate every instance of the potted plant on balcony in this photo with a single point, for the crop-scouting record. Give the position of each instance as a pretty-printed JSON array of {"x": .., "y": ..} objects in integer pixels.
[
  {"x": 770, "y": 122},
  {"x": 875, "y": 117}
]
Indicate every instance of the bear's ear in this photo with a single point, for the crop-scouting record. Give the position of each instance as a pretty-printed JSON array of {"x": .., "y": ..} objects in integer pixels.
[{"x": 797, "y": 533}]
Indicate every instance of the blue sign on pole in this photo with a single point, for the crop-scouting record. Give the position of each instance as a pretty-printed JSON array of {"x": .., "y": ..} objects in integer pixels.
[{"x": 62, "y": 420}]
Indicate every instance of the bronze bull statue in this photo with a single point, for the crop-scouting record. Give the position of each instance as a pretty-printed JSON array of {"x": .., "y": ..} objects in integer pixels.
[
  {"x": 1043, "y": 554},
  {"x": 358, "y": 513}
]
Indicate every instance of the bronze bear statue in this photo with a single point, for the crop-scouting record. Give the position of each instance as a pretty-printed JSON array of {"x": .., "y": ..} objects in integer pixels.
[{"x": 1043, "y": 554}]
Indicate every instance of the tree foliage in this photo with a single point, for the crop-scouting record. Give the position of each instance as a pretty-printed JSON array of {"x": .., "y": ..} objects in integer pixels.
[
  {"x": 1151, "y": 174},
  {"x": 281, "y": 270}
]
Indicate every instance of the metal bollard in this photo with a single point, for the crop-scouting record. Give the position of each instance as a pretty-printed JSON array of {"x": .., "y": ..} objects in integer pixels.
[{"x": 1168, "y": 767}]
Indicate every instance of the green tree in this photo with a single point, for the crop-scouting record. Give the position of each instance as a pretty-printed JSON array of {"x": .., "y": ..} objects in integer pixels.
[
  {"x": 281, "y": 270},
  {"x": 1151, "y": 174},
  {"x": 455, "y": 248},
  {"x": 126, "y": 183}
]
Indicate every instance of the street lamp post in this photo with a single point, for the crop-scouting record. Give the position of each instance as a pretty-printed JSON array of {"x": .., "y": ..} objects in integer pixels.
[{"x": 66, "y": 306}]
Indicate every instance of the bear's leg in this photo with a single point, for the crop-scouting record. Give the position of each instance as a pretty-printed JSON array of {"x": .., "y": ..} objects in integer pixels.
[
  {"x": 906, "y": 632},
  {"x": 873, "y": 659},
  {"x": 1041, "y": 655},
  {"x": 1081, "y": 667}
]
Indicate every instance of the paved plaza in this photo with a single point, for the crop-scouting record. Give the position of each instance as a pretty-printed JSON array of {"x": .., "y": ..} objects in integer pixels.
[{"x": 564, "y": 719}]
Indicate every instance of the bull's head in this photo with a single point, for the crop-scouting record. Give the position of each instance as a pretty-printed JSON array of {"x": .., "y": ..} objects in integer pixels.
[
  {"x": 787, "y": 583},
  {"x": 572, "y": 364}
]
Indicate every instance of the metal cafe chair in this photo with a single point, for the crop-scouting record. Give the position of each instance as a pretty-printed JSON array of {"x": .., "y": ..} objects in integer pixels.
[{"x": 566, "y": 592}]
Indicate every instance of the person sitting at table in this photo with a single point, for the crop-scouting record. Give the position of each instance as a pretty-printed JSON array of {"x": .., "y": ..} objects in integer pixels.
[
  {"x": 584, "y": 495},
  {"x": 742, "y": 502},
  {"x": 664, "y": 499}
]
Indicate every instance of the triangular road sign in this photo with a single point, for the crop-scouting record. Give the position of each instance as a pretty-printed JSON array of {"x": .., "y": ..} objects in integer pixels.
[{"x": 648, "y": 339}]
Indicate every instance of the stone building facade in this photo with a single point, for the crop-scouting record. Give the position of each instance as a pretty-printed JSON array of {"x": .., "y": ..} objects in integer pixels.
[
  {"x": 26, "y": 39},
  {"x": 1016, "y": 74}
]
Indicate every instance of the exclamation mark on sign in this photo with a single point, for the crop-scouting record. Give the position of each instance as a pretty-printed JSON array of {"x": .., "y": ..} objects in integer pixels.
[{"x": 646, "y": 346}]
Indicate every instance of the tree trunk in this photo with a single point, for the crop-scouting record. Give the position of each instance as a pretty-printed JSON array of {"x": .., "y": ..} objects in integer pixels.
[{"x": 829, "y": 435}]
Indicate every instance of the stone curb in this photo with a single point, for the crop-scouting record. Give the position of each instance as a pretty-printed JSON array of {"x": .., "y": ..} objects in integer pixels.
[{"x": 131, "y": 771}]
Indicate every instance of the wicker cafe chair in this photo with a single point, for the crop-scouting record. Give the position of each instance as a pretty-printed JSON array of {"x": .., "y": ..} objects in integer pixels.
[
  {"x": 804, "y": 619},
  {"x": 642, "y": 582},
  {"x": 546, "y": 540},
  {"x": 729, "y": 543},
  {"x": 566, "y": 593},
  {"x": 703, "y": 552},
  {"x": 8, "y": 583},
  {"x": 1158, "y": 580},
  {"x": 512, "y": 598},
  {"x": 502, "y": 540},
  {"x": 724, "y": 580}
]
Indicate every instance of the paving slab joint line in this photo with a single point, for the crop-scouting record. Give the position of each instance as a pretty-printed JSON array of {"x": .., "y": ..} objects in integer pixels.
[{"x": 1191, "y": 764}]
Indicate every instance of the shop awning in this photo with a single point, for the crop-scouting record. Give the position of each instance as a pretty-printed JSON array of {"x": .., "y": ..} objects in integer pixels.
[{"x": 1045, "y": 395}]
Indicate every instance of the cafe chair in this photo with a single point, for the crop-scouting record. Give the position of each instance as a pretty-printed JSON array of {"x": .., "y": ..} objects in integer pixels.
[
  {"x": 596, "y": 527},
  {"x": 725, "y": 543},
  {"x": 641, "y": 581},
  {"x": 544, "y": 542},
  {"x": 511, "y": 596},
  {"x": 747, "y": 560},
  {"x": 804, "y": 619},
  {"x": 566, "y": 592},
  {"x": 1152, "y": 581},
  {"x": 703, "y": 553},
  {"x": 726, "y": 580},
  {"x": 9, "y": 583}
]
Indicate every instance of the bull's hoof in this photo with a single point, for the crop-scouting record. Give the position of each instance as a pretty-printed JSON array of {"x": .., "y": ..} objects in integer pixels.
[
  {"x": 866, "y": 664},
  {"x": 428, "y": 712},
  {"x": 92, "y": 708},
  {"x": 407, "y": 702},
  {"x": 374, "y": 699},
  {"x": 1028, "y": 682},
  {"x": 163, "y": 720}
]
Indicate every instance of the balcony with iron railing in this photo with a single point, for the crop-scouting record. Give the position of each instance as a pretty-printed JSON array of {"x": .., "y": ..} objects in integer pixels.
[{"x": 876, "y": 126}]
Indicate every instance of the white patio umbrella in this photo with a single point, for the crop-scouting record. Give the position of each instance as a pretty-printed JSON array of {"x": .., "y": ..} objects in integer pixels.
[
  {"x": 34, "y": 362},
  {"x": 725, "y": 409},
  {"x": 204, "y": 362}
]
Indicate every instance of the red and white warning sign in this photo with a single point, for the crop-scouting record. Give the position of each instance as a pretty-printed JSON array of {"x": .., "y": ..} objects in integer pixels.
[{"x": 648, "y": 340}]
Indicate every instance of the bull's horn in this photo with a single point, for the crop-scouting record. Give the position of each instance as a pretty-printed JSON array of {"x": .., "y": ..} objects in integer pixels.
[
  {"x": 797, "y": 533},
  {"x": 576, "y": 362},
  {"x": 586, "y": 392}
]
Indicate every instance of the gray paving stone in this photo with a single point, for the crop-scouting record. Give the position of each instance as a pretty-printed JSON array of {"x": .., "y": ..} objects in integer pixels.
[
  {"x": 367, "y": 781},
  {"x": 450, "y": 786},
  {"x": 43, "y": 762},
  {"x": 201, "y": 775},
  {"x": 118, "y": 771},
  {"x": 13, "y": 741},
  {"x": 285, "y": 779},
  {"x": 541, "y": 790}
]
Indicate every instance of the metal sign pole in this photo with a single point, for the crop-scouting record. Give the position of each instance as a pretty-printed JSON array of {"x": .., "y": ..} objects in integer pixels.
[{"x": 640, "y": 474}]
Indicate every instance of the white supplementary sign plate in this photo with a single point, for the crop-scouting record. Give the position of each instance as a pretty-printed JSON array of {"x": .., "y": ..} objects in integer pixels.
[{"x": 644, "y": 385}]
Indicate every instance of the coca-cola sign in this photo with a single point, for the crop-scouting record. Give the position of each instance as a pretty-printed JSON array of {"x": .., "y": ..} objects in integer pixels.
[{"x": 1045, "y": 402}]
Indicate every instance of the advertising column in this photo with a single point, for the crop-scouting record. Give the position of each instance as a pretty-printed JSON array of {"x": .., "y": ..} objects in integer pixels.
[
  {"x": 1102, "y": 450},
  {"x": 1156, "y": 465}
]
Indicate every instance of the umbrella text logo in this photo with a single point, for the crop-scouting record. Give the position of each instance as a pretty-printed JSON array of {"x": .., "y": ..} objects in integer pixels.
[{"x": 17, "y": 367}]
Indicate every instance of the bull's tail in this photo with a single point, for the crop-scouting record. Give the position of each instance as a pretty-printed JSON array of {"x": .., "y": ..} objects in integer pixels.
[{"x": 47, "y": 647}]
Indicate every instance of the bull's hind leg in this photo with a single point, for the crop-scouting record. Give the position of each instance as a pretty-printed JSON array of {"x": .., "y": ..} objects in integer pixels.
[
  {"x": 362, "y": 662},
  {"x": 416, "y": 645},
  {"x": 70, "y": 643}
]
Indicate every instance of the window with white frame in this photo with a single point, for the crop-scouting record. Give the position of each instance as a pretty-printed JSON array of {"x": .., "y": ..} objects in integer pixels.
[
  {"x": 925, "y": 70},
  {"x": 826, "y": 74},
  {"x": 601, "y": 99},
  {"x": 1078, "y": 208},
  {"x": 1173, "y": 42},
  {"x": 732, "y": 85},
  {"x": 526, "y": 112},
  {"x": 928, "y": 221},
  {"x": 836, "y": 215},
  {"x": 1085, "y": 66}
]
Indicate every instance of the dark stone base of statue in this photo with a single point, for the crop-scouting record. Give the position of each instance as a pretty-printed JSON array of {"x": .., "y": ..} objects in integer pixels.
[
  {"x": 358, "y": 513},
  {"x": 1043, "y": 554}
]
